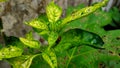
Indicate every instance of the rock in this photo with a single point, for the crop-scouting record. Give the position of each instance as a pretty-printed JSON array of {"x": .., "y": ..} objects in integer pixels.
[
  {"x": 15, "y": 12},
  {"x": 4, "y": 64}
]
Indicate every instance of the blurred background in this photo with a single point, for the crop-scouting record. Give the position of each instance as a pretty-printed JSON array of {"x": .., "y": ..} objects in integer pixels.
[{"x": 13, "y": 14}]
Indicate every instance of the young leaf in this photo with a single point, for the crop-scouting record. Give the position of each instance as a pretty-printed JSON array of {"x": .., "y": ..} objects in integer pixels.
[
  {"x": 30, "y": 43},
  {"x": 23, "y": 61},
  {"x": 50, "y": 57},
  {"x": 83, "y": 12},
  {"x": 53, "y": 12},
  {"x": 36, "y": 23},
  {"x": 52, "y": 38},
  {"x": 9, "y": 52},
  {"x": 77, "y": 37}
]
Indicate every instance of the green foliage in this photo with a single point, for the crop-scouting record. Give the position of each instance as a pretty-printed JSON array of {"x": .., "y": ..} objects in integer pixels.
[
  {"x": 75, "y": 41},
  {"x": 91, "y": 58},
  {"x": 115, "y": 14},
  {"x": 14, "y": 48},
  {"x": 83, "y": 12},
  {"x": 53, "y": 36},
  {"x": 92, "y": 23},
  {"x": 76, "y": 37}
]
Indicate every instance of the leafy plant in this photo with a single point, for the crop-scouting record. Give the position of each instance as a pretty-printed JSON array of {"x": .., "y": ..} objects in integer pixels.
[{"x": 70, "y": 40}]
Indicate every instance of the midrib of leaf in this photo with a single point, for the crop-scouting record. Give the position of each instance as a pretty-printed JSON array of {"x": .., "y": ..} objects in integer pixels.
[{"x": 71, "y": 56}]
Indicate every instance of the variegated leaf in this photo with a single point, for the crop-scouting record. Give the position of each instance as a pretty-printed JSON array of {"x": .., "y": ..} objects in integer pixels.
[
  {"x": 36, "y": 23},
  {"x": 30, "y": 43},
  {"x": 50, "y": 57},
  {"x": 83, "y": 12},
  {"x": 53, "y": 12},
  {"x": 9, "y": 52}
]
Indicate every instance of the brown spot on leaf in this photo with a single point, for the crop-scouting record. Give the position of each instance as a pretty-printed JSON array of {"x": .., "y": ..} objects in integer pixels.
[
  {"x": 58, "y": 40},
  {"x": 101, "y": 65},
  {"x": 110, "y": 52},
  {"x": 118, "y": 38},
  {"x": 41, "y": 40}
]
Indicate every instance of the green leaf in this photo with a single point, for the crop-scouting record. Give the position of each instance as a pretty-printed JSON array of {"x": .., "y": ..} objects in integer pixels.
[
  {"x": 14, "y": 41},
  {"x": 112, "y": 38},
  {"x": 43, "y": 33},
  {"x": 39, "y": 62},
  {"x": 9, "y": 52},
  {"x": 115, "y": 14},
  {"x": 43, "y": 17},
  {"x": 83, "y": 12},
  {"x": 77, "y": 37},
  {"x": 36, "y": 23},
  {"x": 71, "y": 56},
  {"x": 23, "y": 61},
  {"x": 30, "y": 43},
  {"x": 53, "y": 36},
  {"x": 86, "y": 57},
  {"x": 72, "y": 9},
  {"x": 53, "y": 12},
  {"x": 112, "y": 41},
  {"x": 50, "y": 57}
]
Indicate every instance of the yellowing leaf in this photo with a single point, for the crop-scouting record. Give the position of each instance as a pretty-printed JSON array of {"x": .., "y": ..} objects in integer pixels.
[
  {"x": 36, "y": 23},
  {"x": 23, "y": 61},
  {"x": 10, "y": 52},
  {"x": 52, "y": 38},
  {"x": 50, "y": 57},
  {"x": 53, "y": 12},
  {"x": 30, "y": 43},
  {"x": 83, "y": 12}
]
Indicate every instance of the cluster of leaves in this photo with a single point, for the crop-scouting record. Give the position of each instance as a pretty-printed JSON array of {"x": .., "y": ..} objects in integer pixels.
[
  {"x": 95, "y": 23},
  {"x": 115, "y": 14},
  {"x": 70, "y": 40}
]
